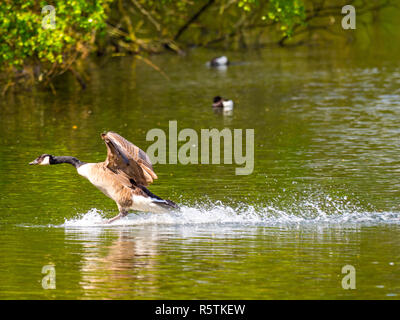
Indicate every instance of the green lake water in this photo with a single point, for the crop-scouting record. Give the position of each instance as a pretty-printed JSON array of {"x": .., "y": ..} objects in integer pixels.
[{"x": 324, "y": 192}]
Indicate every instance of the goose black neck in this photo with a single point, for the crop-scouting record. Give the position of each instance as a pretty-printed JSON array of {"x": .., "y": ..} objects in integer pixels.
[{"x": 67, "y": 159}]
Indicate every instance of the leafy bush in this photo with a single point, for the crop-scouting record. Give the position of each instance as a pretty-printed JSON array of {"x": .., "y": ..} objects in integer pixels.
[
  {"x": 27, "y": 50},
  {"x": 31, "y": 54}
]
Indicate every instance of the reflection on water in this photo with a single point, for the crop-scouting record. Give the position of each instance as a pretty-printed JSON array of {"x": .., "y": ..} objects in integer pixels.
[
  {"x": 115, "y": 266},
  {"x": 324, "y": 191},
  {"x": 258, "y": 262}
]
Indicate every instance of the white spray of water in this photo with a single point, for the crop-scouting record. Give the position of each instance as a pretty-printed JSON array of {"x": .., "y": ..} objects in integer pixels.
[{"x": 328, "y": 211}]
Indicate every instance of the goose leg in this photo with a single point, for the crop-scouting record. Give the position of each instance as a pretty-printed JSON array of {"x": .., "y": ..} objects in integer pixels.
[{"x": 121, "y": 214}]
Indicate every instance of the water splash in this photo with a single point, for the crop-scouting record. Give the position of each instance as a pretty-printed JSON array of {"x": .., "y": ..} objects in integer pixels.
[{"x": 309, "y": 211}]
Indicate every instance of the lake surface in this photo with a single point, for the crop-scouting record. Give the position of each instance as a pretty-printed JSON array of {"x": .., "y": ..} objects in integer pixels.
[{"x": 324, "y": 192}]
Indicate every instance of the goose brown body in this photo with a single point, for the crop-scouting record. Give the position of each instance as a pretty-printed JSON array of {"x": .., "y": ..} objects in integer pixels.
[{"x": 123, "y": 176}]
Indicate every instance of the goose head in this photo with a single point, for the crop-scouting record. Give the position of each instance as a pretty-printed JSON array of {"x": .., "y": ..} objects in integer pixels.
[{"x": 43, "y": 160}]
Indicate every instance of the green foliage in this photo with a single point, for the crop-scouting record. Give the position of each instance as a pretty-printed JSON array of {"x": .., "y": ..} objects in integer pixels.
[
  {"x": 286, "y": 12},
  {"x": 144, "y": 22},
  {"x": 24, "y": 41},
  {"x": 25, "y": 44},
  {"x": 28, "y": 51}
]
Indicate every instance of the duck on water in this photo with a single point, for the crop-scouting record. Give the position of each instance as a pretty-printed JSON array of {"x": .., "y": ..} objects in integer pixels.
[
  {"x": 220, "y": 103},
  {"x": 123, "y": 176},
  {"x": 218, "y": 62}
]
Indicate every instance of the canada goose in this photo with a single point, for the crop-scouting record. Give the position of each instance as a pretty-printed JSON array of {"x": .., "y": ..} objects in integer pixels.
[
  {"x": 226, "y": 105},
  {"x": 123, "y": 176},
  {"x": 218, "y": 62}
]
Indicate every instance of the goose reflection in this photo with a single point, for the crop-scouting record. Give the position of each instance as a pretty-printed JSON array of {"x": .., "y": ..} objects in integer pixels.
[{"x": 117, "y": 262}]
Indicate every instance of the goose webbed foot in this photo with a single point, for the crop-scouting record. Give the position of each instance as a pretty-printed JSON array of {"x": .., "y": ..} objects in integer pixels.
[{"x": 120, "y": 215}]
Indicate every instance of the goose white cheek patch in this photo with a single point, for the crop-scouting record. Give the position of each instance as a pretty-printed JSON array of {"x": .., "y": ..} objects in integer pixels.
[{"x": 46, "y": 161}]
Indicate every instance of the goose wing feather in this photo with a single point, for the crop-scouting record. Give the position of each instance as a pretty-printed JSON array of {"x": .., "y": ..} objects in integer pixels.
[{"x": 126, "y": 159}]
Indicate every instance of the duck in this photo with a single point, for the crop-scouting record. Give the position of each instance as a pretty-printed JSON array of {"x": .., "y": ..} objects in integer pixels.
[
  {"x": 225, "y": 105},
  {"x": 123, "y": 176},
  {"x": 218, "y": 62}
]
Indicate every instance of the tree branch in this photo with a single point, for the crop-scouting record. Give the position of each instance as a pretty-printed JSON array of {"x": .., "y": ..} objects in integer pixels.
[{"x": 193, "y": 19}]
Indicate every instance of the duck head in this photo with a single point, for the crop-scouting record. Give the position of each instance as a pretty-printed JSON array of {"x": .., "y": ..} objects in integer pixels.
[{"x": 218, "y": 102}]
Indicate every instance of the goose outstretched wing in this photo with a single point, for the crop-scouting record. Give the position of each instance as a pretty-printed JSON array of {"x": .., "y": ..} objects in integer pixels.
[{"x": 124, "y": 158}]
